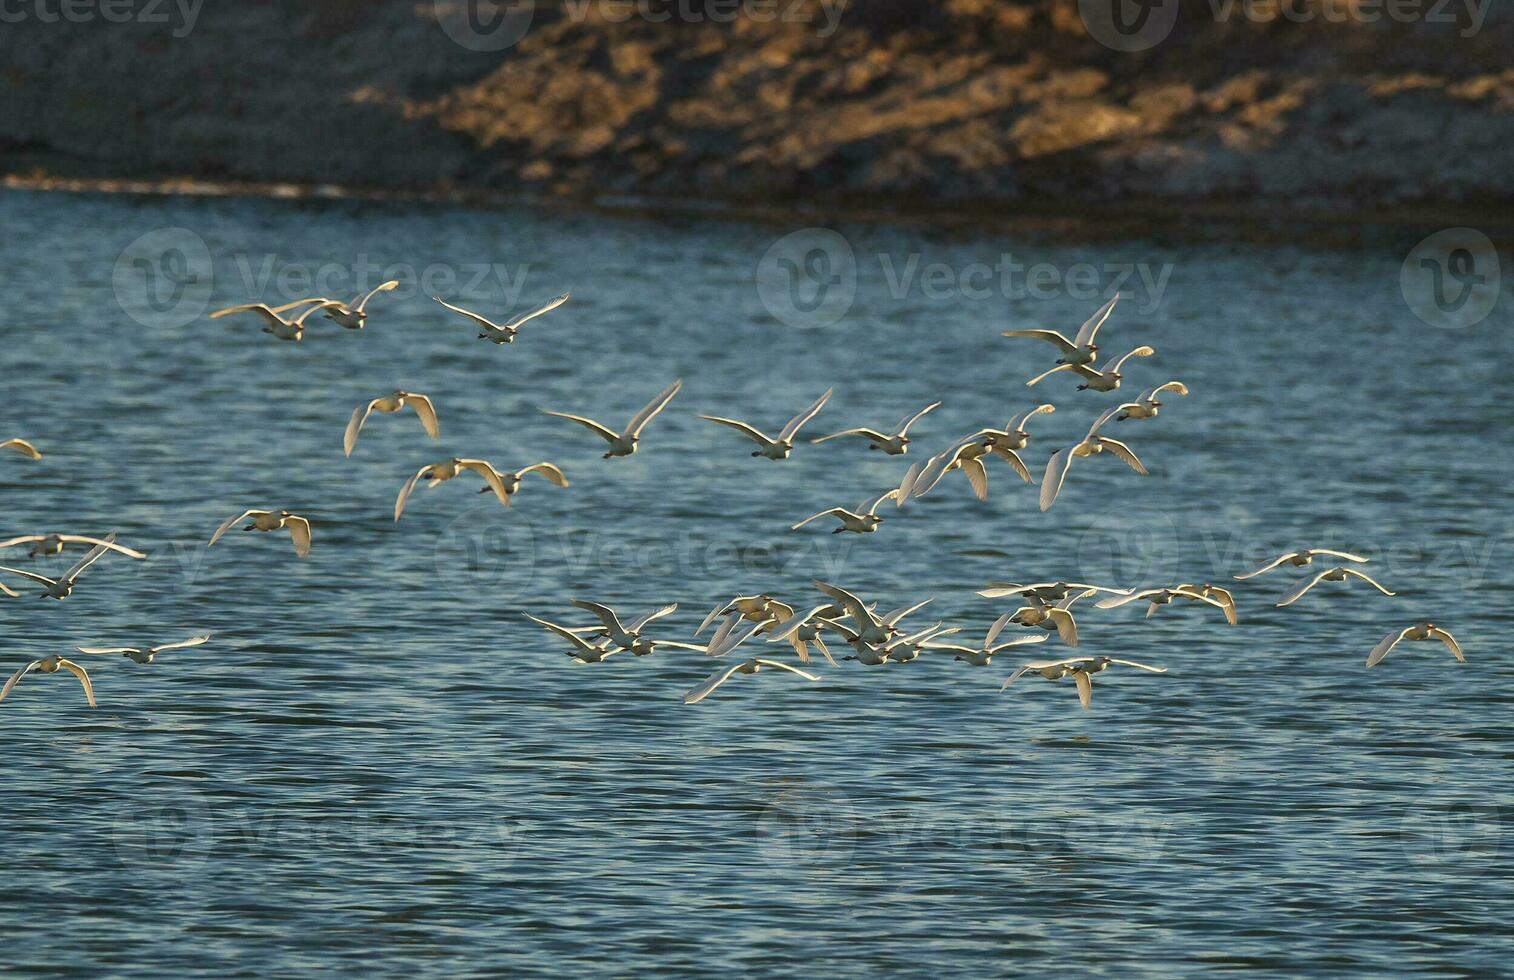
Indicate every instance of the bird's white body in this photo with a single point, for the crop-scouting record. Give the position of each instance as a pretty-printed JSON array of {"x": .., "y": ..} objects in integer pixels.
[
  {"x": 1417, "y": 632},
  {"x": 271, "y": 520}
]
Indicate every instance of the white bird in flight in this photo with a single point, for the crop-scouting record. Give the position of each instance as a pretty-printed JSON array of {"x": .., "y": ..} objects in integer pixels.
[
  {"x": 353, "y": 315},
  {"x": 862, "y": 520},
  {"x": 1157, "y": 598},
  {"x": 751, "y": 666},
  {"x": 276, "y": 323},
  {"x": 1052, "y": 616},
  {"x": 1082, "y": 670},
  {"x": 1338, "y": 574},
  {"x": 1419, "y": 631},
  {"x": 447, "y": 469},
  {"x": 271, "y": 520},
  {"x": 62, "y": 586},
  {"x": 51, "y": 665},
  {"x": 1299, "y": 559},
  {"x": 504, "y": 333},
  {"x": 631, "y": 637},
  {"x": 783, "y": 445},
  {"x": 1045, "y": 592},
  {"x": 967, "y": 455},
  {"x": 1092, "y": 444},
  {"x": 983, "y": 655},
  {"x": 144, "y": 655},
  {"x": 53, "y": 544},
  {"x": 870, "y": 627},
  {"x": 624, "y": 443},
  {"x": 760, "y": 608},
  {"x": 1081, "y": 349},
  {"x": 894, "y": 443},
  {"x": 1147, "y": 404},
  {"x": 1013, "y": 435},
  {"x": 512, "y": 480},
  {"x": 583, "y": 651},
  {"x": 392, "y": 402},
  {"x": 1094, "y": 378},
  {"x": 23, "y": 447}
]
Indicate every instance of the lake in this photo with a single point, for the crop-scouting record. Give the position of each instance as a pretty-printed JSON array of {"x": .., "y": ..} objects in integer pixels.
[{"x": 379, "y": 764}]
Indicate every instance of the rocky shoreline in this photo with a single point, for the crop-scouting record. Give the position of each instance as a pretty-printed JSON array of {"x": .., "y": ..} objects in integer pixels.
[{"x": 957, "y": 106}]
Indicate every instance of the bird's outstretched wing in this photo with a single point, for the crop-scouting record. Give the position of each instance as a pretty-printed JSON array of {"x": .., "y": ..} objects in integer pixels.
[
  {"x": 604, "y": 432},
  {"x": 1142, "y": 351},
  {"x": 481, "y": 321},
  {"x": 355, "y": 426},
  {"x": 904, "y": 424},
  {"x": 1085, "y": 688},
  {"x": 640, "y": 419},
  {"x": 1018, "y": 422},
  {"x": 872, "y": 434},
  {"x": 362, "y": 301},
  {"x": 791, "y": 429},
  {"x": 1298, "y": 592},
  {"x": 1090, "y": 329},
  {"x": 24, "y": 574},
  {"x": 750, "y": 431},
  {"x": 89, "y": 559},
  {"x": 16, "y": 678},
  {"x": 603, "y": 613},
  {"x": 1449, "y": 641},
  {"x": 1124, "y": 452},
  {"x": 426, "y": 410},
  {"x": 1385, "y": 645},
  {"x": 491, "y": 476},
  {"x": 1369, "y": 580},
  {"x": 109, "y": 544},
  {"x": 299, "y": 533},
  {"x": 548, "y": 470},
  {"x": 1269, "y": 566},
  {"x": 227, "y": 524},
  {"x": 83, "y": 675},
  {"x": 1051, "y": 336},
  {"x": 407, "y": 490},
  {"x": 977, "y": 475},
  {"x": 716, "y": 679},
  {"x": 193, "y": 641},
  {"x": 834, "y": 511},
  {"x": 514, "y": 322},
  {"x": 1056, "y": 473}
]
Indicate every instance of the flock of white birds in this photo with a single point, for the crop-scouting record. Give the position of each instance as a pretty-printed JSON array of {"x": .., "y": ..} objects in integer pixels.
[{"x": 874, "y": 638}]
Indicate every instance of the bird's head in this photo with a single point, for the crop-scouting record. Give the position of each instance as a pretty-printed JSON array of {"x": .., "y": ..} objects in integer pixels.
[{"x": 1094, "y": 348}]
